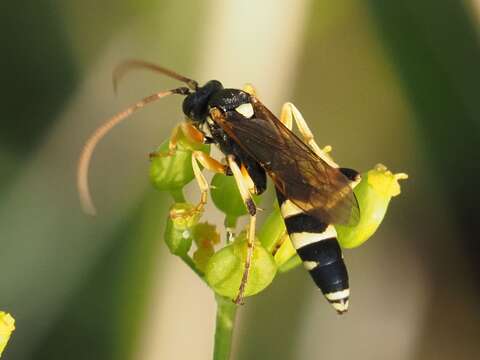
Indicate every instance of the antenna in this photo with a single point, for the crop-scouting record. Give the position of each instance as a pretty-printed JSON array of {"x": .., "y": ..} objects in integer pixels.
[
  {"x": 122, "y": 69},
  {"x": 99, "y": 133}
]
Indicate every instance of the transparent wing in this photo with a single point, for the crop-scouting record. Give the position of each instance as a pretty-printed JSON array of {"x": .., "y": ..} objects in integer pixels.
[{"x": 303, "y": 177}]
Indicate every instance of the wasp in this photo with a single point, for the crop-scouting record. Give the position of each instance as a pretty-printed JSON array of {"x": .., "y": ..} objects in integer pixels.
[{"x": 313, "y": 192}]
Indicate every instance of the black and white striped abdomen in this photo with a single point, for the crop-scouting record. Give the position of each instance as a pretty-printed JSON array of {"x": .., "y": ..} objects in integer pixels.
[{"x": 316, "y": 244}]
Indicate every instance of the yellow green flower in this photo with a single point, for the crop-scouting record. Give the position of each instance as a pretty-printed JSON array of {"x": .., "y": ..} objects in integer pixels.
[
  {"x": 373, "y": 193},
  {"x": 7, "y": 325},
  {"x": 206, "y": 237}
]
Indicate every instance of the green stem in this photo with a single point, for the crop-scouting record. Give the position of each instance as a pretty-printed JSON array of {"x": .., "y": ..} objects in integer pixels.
[
  {"x": 191, "y": 264},
  {"x": 226, "y": 311},
  {"x": 177, "y": 195},
  {"x": 230, "y": 221}
]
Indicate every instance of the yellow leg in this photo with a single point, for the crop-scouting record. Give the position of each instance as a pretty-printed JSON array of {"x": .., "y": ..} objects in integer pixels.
[
  {"x": 191, "y": 132},
  {"x": 252, "y": 210},
  {"x": 208, "y": 163},
  {"x": 185, "y": 128},
  {"x": 242, "y": 185},
  {"x": 249, "y": 88},
  {"x": 248, "y": 259},
  {"x": 290, "y": 113},
  {"x": 248, "y": 180}
]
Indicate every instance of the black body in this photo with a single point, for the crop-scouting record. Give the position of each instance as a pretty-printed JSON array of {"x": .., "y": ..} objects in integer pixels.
[
  {"x": 264, "y": 145},
  {"x": 212, "y": 95},
  {"x": 331, "y": 274}
]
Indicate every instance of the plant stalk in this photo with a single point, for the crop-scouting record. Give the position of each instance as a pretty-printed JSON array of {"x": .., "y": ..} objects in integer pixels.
[
  {"x": 191, "y": 264},
  {"x": 178, "y": 195},
  {"x": 226, "y": 311}
]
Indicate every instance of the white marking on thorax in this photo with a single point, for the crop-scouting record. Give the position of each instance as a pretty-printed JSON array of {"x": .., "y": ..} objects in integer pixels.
[
  {"x": 310, "y": 265},
  {"x": 206, "y": 126},
  {"x": 245, "y": 110}
]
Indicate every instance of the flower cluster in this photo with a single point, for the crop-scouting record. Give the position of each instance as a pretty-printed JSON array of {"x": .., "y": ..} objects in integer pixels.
[{"x": 221, "y": 263}]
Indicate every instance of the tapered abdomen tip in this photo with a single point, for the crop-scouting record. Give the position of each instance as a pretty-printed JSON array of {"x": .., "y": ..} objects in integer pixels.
[
  {"x": 340, "y": 306},
  {"x": 339, "y": 300}
]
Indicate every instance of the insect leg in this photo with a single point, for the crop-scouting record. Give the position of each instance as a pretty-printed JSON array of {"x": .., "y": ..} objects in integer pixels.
[
  {"x": 185, "y": 128},
  {"x": 172, "y": 143},
  {"x": 250, "y": 89},
  {"x": 289, "y": 113},
  {"x": 252, "y": 210},
  {"x": 192, "y": 133},
  {"x": 210, "y": 164},
  {"x": 247, "y": 180}
]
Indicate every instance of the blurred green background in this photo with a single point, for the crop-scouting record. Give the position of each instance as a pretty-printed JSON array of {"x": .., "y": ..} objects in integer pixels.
[{"x": 396, "y": 82}]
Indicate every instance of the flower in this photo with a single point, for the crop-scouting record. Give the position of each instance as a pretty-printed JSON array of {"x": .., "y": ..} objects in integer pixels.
[{"x": 7, "y": 325}]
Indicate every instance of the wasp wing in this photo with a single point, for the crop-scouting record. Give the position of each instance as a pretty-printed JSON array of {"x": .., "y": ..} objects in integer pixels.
[{"x": 301, "y": 175}]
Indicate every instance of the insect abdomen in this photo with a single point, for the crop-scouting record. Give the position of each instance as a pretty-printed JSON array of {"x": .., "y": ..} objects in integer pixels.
[{"x": 316, "y": 244}]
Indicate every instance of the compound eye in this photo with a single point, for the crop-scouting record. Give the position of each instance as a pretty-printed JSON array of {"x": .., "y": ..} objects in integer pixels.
[{"x": 188, "y": 106}]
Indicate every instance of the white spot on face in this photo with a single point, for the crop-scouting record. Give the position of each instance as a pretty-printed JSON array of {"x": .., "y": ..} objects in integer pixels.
[
  {"x": 337, "y": 295},
  {"x": 186, "y": 234},
  {"x": 245, "y": 110}
]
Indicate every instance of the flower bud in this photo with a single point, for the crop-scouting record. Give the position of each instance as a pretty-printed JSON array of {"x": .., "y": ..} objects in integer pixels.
[
  {"x": 173, "y": 172},
  {"x": 225, "y": 269},
  {"x": 206, "y": 237},
  {"x": 286, "y": 256},
  {"x": 272, "y": 230},
  {"x": 184, "y": 215},
  {"x": 179, "y": 230},
  {"x": 274, "y": 237},
  {"x": 226, "y": 196},
  {"x": 373, "y": 193}
]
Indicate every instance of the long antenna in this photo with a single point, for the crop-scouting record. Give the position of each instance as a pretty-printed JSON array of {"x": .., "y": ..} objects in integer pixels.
[
  {"x": 132, "y": 64},
  {"x": 98, "y": 134}
]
